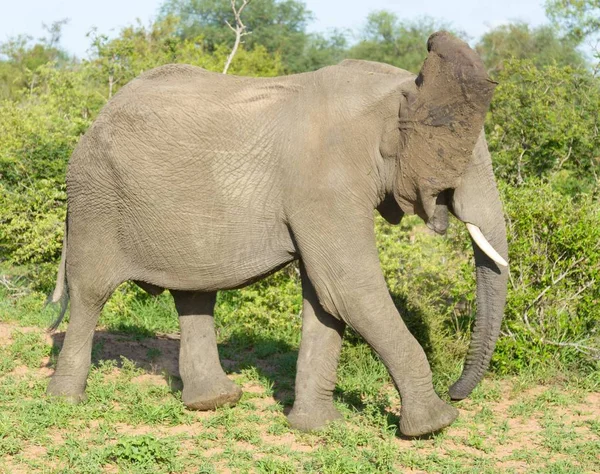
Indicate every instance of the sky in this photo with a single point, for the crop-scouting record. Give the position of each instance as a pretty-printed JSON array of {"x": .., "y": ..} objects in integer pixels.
[{"x": 474, "y": 17}]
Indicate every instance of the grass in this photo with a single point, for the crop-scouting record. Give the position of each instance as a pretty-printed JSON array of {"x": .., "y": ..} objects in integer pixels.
[{"x": 134, "y": 421}]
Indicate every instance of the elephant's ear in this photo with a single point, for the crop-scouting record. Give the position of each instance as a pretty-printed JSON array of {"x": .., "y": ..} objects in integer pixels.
[{"x": 441, "y": 122}]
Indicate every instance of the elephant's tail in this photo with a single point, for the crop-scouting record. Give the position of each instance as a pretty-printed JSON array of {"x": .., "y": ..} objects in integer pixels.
[{"x": 61, "y": 290}]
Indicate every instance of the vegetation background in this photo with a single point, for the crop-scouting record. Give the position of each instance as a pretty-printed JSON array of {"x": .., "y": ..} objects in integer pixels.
[{"x": 543, "y": 132}]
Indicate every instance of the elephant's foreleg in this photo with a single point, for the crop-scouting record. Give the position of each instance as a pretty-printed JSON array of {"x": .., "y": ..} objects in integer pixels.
[
  {"x": 340, "y": 255},
  {"x": 317, "y": 363},
  {"x": 205, "y": 385}
]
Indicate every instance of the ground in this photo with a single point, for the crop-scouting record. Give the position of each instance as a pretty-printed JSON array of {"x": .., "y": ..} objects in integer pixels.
[{"x": 134, "y": 421}]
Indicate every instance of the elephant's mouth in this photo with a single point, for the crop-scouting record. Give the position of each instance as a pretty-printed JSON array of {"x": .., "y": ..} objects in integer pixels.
[{"x": 436, "y": 217}]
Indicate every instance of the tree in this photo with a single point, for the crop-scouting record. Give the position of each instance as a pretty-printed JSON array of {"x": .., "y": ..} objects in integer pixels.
[
  {"x": 239, "y": 30},
  {"x": 387, "y": 39},
  {"x": 20, "y": 59},
  {"x": 544, "y": 123},
  {"x": 577, "y": 18},
  {"x": 519, "y": 41},
  {"x": 322, "y": 50},
  {"x": 139, "y": 48},
  {"x": 277, "y": 25}
]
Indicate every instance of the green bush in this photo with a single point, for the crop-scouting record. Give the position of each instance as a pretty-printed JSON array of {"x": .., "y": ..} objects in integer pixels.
[
  {"x": 552, "y": 313},
  {"x": 431, "y": 280},
  {"x": 32, "y": 220},
  {"x": 545, "y": 120},
  {"x": 554, "y": 296},
  {"x": 40, "y": 131},
  {"x": 269, "y": 309},
  {"x": 117, "y": 61}
]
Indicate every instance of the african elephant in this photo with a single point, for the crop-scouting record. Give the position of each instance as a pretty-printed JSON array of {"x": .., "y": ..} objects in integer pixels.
[{"x": 196, "y": 182}]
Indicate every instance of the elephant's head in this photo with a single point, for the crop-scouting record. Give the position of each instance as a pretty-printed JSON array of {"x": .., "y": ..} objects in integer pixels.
[{"x": 444, "y": 166}]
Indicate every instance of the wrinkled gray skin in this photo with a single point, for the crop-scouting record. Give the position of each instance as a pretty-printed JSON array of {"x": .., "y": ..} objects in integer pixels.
[{"x": 197, "y": 182}]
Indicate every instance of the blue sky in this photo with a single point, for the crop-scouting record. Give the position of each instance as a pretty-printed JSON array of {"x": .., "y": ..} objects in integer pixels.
[{"x": 472, "y": 16}]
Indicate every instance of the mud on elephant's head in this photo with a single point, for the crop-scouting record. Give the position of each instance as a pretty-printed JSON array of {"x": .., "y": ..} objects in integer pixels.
[{"x": 440, "y": 122}]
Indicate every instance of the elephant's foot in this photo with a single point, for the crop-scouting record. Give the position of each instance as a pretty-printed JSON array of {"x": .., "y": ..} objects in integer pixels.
[
  {"x": 67, "y": 387},
  {"x": 420, "y": 419},
  {"x": 209, "y": 394},
  {"x": 305, "y": 417}
]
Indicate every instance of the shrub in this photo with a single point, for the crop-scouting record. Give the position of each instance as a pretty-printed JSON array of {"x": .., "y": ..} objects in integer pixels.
[
  {"x": 32, "y": 220},
  {"x": 545, "y": 120},
  {"x": 431, "y": 280},
  {"x": 41, "y": 130},
  {"x": 38, "y": 135},
  {"x": 554, "y": 296},
  {"x": 138, "y": 48},
  {"x": 552, "y": 310}
]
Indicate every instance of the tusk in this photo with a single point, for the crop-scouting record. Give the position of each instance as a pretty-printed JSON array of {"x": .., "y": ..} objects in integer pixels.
[{"x": 484, "y": 245}]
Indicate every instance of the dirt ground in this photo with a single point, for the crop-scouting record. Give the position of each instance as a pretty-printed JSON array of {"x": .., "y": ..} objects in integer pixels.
[{"x": 523, "y": 413}]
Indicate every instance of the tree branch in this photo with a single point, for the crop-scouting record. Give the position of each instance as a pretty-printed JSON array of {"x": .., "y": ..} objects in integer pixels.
[
  {"x": 592, "y": 352},
  {"x": 239, "y": 30},
  {"x": 554, "y": 282}
]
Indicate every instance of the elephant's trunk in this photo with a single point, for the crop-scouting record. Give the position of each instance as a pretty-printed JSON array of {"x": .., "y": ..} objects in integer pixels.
[
  {"x": 476, "y": 201},
  {"x": 491, "y": 295}
]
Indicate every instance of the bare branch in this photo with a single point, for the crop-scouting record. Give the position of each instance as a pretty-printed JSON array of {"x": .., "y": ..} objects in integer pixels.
[
  {"x": 239, "y": 30},
  {"x": 555, "y": 281},
  {"x": 562, "y": 161},
  {"x": 519, "y": 163},
  {"x": 13, "y": 287},
  {"x": 229, "y": 25},
  {"x": 592, "y": 352}
]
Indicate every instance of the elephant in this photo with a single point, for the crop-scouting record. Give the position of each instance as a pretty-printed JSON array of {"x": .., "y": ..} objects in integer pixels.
[{"x": 194, "y": 182}]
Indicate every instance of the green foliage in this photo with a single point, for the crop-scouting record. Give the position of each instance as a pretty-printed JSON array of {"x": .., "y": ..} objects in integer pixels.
[
  {"x": 277, "y": 25},
  {"x": 387, "y": 39},
  {"x": 139, "y": 48},
  {"x": 545, "y": 120},
  {"x": 431, "y": 281},
  {"x": 20, "y": 60},
  {"x": 552, "y": 306},
  {"x": 38, "y": 135},
  {"x": 142, "y": 450},
  {"x": 552, "y": 311},
  {"x": 268, "y": 309},
  {"x": 518, "y": 40},
  {"x": 257, "y": 62},
  {"x": 323, "y": 50},
  {"x": 31, "y": 227},
  {"x": 577, "y": 18},
  {"x": 40, "y": 131}
]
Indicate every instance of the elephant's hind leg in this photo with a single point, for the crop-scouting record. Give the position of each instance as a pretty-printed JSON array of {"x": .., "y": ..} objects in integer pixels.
[
  {"x": 205, "y": 385},
  {"x": 317, "y": 364},
  {"x": 69, "y": 378}
]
